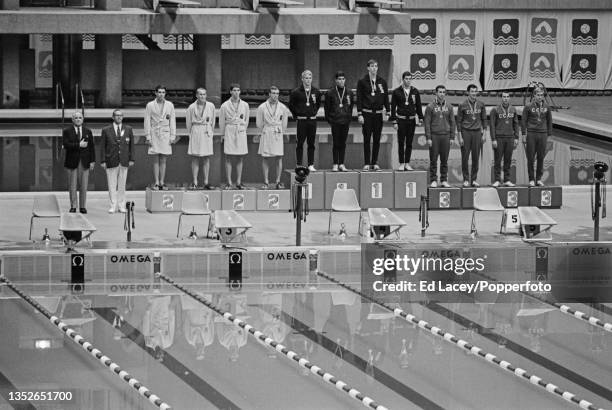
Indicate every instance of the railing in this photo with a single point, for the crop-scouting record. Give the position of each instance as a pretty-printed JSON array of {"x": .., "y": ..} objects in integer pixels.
[
  {"x": 59, "y": 96},
  {"x": 79, "y": 97}
]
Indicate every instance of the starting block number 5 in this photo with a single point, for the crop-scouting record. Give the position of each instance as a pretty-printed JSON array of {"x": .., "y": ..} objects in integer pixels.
[{"x": 512, "y": 219}]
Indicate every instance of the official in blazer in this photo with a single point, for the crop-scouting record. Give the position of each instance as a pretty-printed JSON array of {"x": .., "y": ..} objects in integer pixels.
[
  {"x": 117, "y": 156},
  {"x": 80, "y": 158}
]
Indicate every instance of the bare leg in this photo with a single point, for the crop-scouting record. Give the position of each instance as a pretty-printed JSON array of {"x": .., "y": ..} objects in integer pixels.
[
  {"x": 266, "y": 168},
  {"x": 195, "y": 169},
  {"x": 239, "y": 171},
  {"x": 156, "y": 169},
  {"x": 162, "y": 169},
  {"x": 279, "y": 167},
  {"x": 228, "y": 170},
  {"x": 206, "y": 168}
]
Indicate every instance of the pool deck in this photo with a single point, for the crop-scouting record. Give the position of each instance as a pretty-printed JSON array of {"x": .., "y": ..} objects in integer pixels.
[{"x": 273, "y": 228}]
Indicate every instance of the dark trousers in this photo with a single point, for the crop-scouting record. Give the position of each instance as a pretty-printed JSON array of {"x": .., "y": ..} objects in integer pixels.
[
  {"x": 471, "y": 145},
  {"x": 536, "y": 149},
  {"x": 505, "y": 146},
  {"x": 405, "y": 134},
  {"x": 371, "y": 129},
  {"x": 306, "y": 131},
  {"x": 78, "y": 180},
  {"x": 339, "y": 135},
  {"x": 439, "y": 148}
]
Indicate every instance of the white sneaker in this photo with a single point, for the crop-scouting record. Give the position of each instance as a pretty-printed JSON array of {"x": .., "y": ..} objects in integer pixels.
[
  {"x": 531, "y": 183},
  {"x": 508, "y": 183},
  {"x": 496, "y": 184},
  {"x": 475, "y": 184},
  {"x": 540, "y": 183},
  {"x": 342, "y": 168},
  {"x": 434, "y": 184},
  {"x": 335, "y": 168},
  {"x": 445, "y": 184},
  {"x": 408, "y": 168},
  {"x": 122, "y": 210},
  {"x": 375, "y": 167},
  {"x": 111, "y": 210},
  {"x": 466, "y": 184},
  {"x": 311, "y": 168},
  {"x": 402, "y": 167},
  {"x": 366, "y": 167}
]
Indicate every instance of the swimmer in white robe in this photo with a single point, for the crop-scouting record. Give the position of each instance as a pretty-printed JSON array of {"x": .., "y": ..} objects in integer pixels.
[
  {"x": 233, "y": 122},
  {"x": 160, "y": 132},
  {"x": 272, "y": 117},
  {"x": 200, "y": 121}
]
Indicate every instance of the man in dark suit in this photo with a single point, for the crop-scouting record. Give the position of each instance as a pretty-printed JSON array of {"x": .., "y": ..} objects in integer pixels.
[
  {"x": 117, "y": 155},
  {"x": 80, "y": 159}
]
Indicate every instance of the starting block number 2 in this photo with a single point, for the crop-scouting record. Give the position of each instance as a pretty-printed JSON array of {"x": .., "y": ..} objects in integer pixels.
[
  {"x": 376, "y": 190},
  {"x": 410, "y": 189}
]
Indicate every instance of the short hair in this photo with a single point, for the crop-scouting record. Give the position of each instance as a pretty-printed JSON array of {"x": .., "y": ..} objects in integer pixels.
[
  {"x": 339, "y": 74},
  {"x": 160, "y": 87},
  {"x": 438, "y": 87},
  {"x": 116, "y": 110},
  {"x": 200, "y": 89},
  {"x": 469, "y": 87},
  {"x": 74, "y": 114},
  {"x": 506, "y": 92},
  {"x": 306, "y": 72},
  {"x": 406, "y": 74},
  {"x": 371, "y": 61},
  {"x": 273, "y": 88},
  {"x": 233, "y": 85}
]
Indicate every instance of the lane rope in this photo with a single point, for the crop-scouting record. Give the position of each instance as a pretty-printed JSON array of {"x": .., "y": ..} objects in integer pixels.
[
  {"x": 565, "y": 309},
  {"x": 101, "y": 357},
  {"x": 477, "y": 351},
  {"x": 316, "y": 370}
]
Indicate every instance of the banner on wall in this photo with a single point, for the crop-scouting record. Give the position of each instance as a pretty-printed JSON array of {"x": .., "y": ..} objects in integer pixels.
[
  {"x": 420, "y": 52},
  {"x": 545, "y": 53},
  {"x": 505, "y": 49},
  {"x": 462, "y": 50},
  {"x": 588, "y": 56}
]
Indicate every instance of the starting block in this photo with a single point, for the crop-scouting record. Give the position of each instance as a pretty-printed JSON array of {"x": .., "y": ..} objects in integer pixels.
[
  {"x": 72, "y": 226},
  {"x": 229, "y": 225},
  {"x": 384, "y": 223},
  {"x": 546, "y": 197},
  {"x": 535, "y": 224}
]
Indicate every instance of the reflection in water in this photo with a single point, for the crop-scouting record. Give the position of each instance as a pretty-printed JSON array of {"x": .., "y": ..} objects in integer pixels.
[{"x": 34, "y": 167}]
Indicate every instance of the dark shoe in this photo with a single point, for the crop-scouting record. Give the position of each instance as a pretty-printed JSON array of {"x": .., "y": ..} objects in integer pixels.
[
  {"x": 72, "y": 210},
  {"x": 239, "y": 186},
  {"x": 265, "y": 186},
  {"x": 280, "y": 185},
  {"x": 83, "y": 210},
  {"x": 193, "y": 187},
  {"x": 156, "y": 187},
  {"x": 163, "y": 187},
  {"x": 208, "y": 187}
]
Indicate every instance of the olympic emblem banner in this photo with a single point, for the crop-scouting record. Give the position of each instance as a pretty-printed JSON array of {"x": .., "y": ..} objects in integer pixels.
[
  {"x": 421, "y": 52},
  {"x": 587, "y": 64},
  {"x": 546, "y": 53},
  {"x": 505, "y": 50},
  {"x": 463, "y": 41}
]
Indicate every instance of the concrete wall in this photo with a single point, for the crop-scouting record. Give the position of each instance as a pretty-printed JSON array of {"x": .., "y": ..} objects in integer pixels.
[
  {"x": 353, "y": 63},
  {"x": 259, "y": 68},
  {"x": 144, "y": 69}
]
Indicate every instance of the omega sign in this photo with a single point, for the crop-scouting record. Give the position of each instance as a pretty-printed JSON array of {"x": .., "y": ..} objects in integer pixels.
[
  {"x": 130, "y": 258},
  {"x": 591, "y": 251},
  {"x": 286, "y": 256}
]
